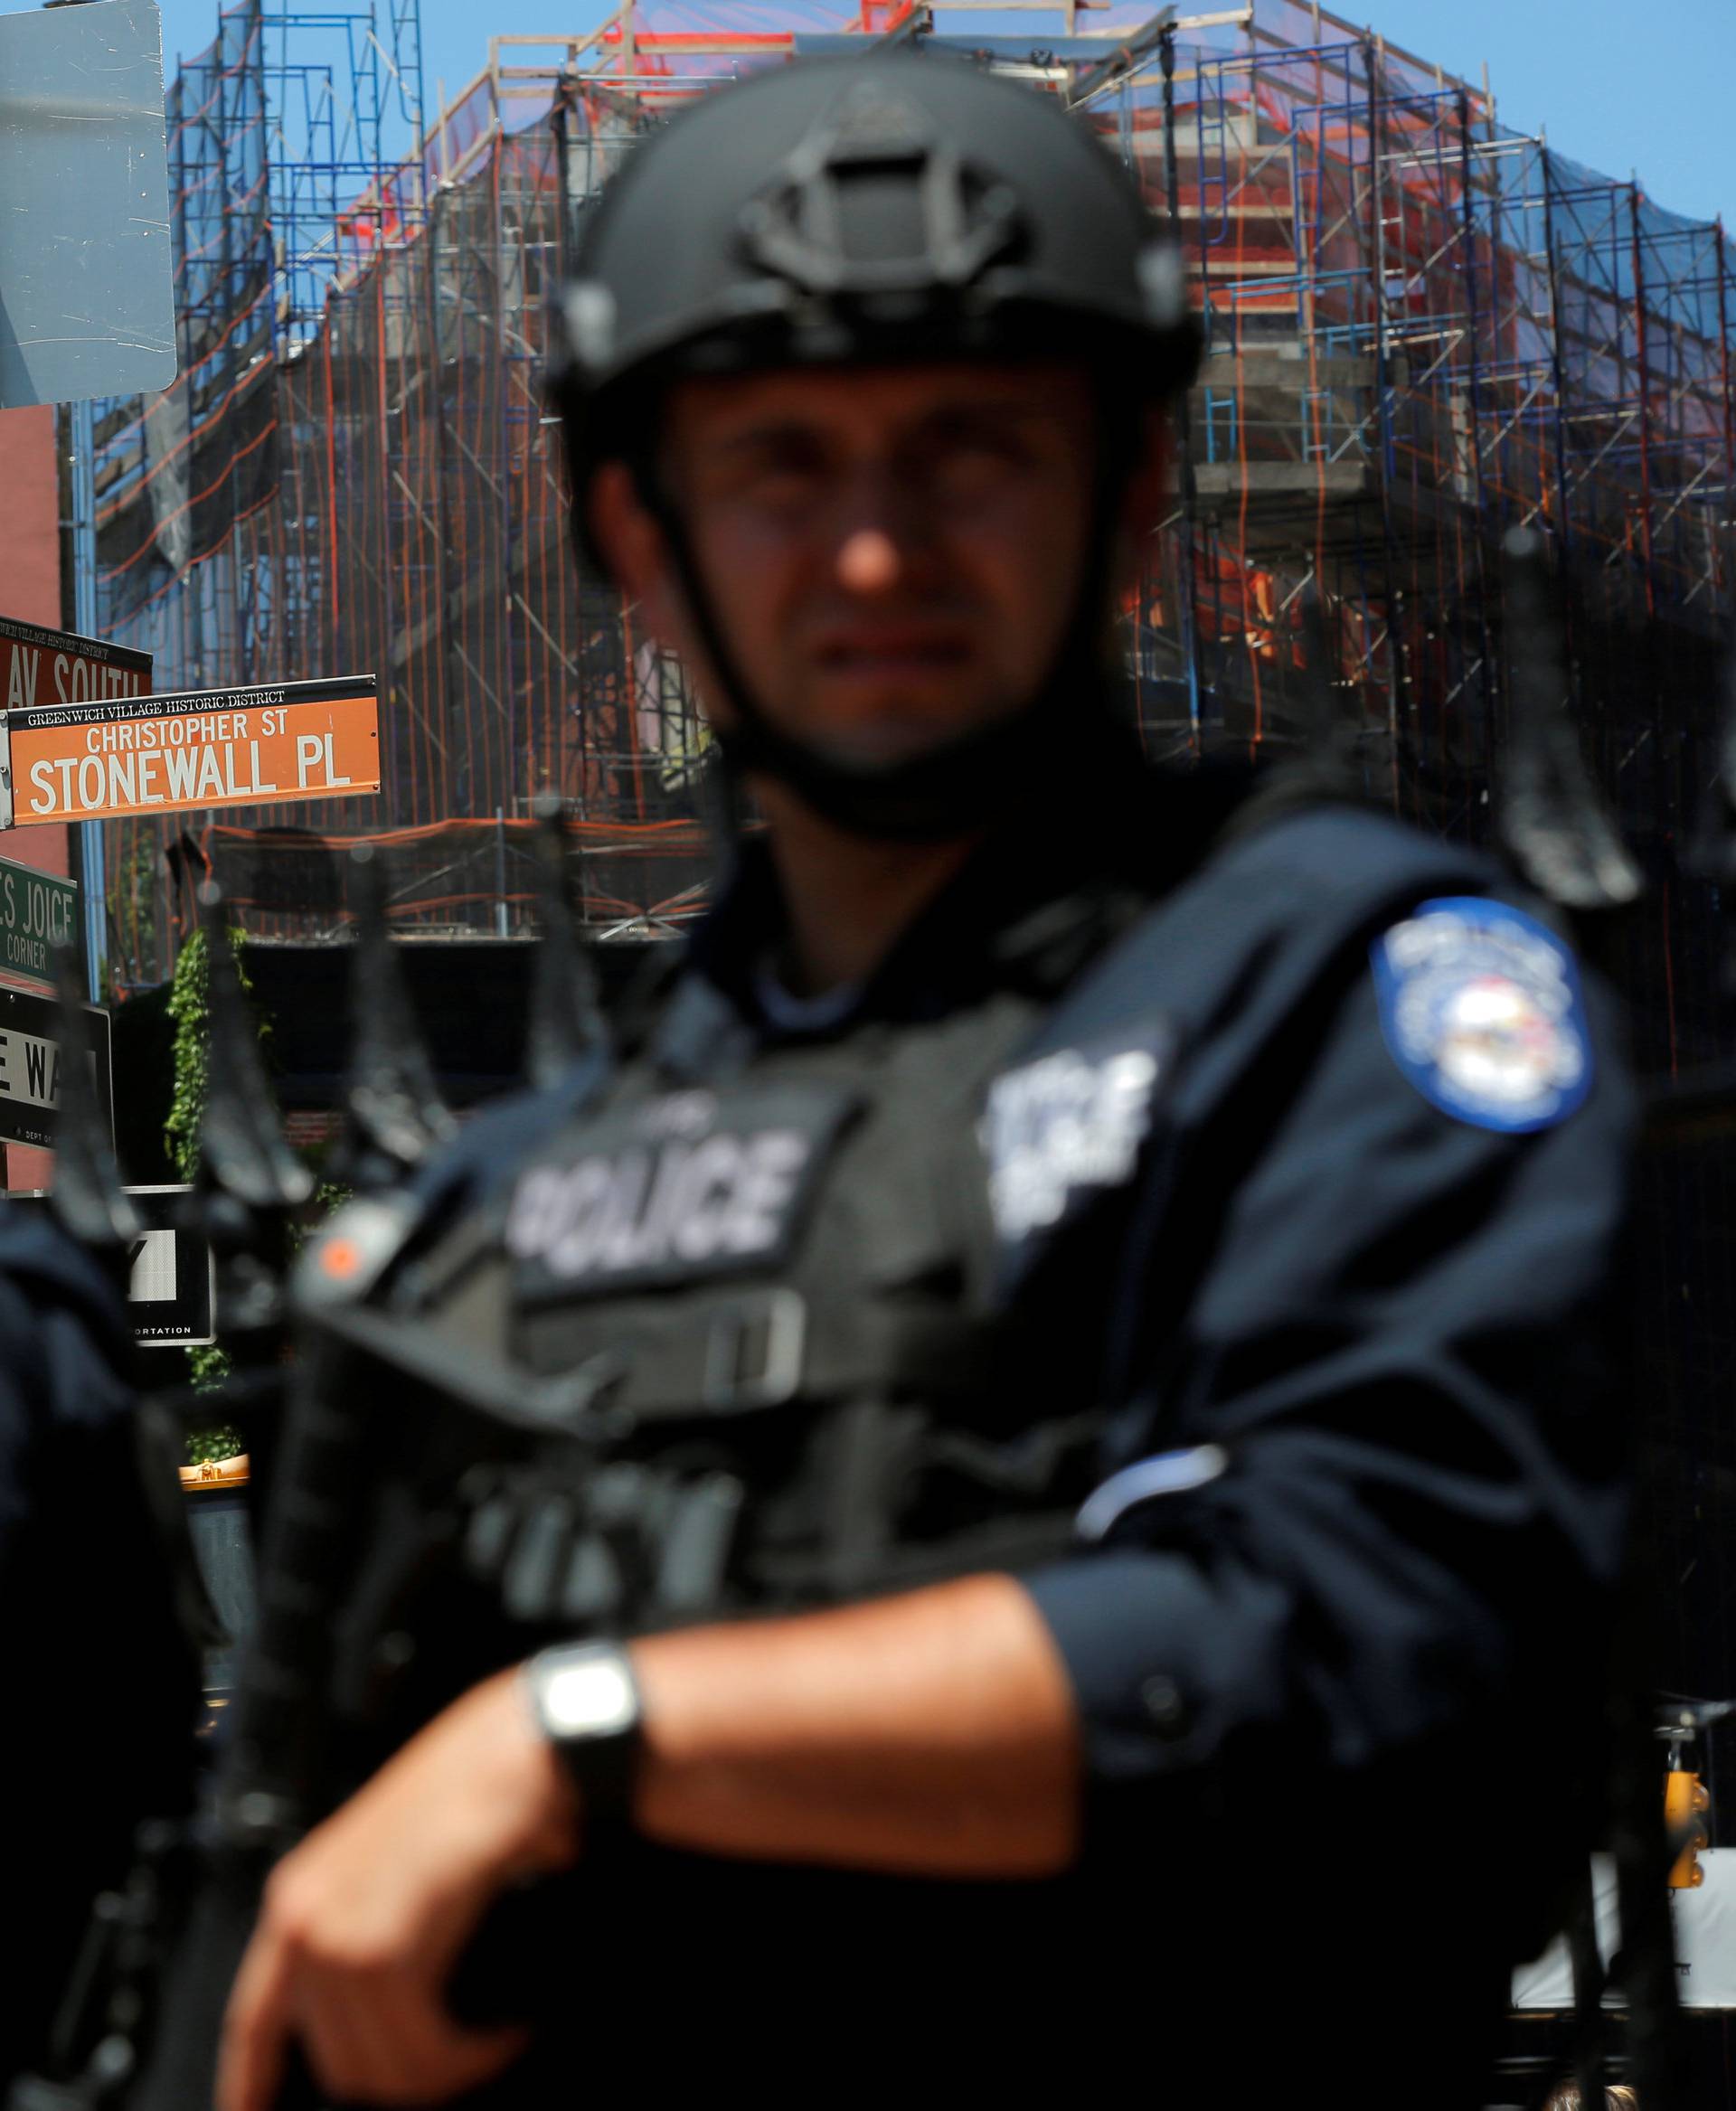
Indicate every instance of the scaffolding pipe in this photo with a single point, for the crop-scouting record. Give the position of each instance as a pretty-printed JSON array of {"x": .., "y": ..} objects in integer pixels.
[
  {"x": 1394, "y": 593},
  {"x": 1475, "y": 414},
  {"x": 1721, "y": 277},
  {"x": 1184, "y": 414},
  {"x": 1353, "y": 329},
  {"x": 1641, "y": 349},
  {"x": 1558, "y": 364}
]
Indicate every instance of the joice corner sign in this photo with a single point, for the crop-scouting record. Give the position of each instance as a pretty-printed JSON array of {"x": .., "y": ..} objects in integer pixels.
[
  {"x": 38, "y": 912},
  {"x": 107, "y": 756}
]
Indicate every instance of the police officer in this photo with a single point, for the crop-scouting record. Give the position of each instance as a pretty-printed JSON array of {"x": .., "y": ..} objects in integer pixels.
[
  {"x": 100, "y": 1682},
  {"x": 1101, "y": 1276}
]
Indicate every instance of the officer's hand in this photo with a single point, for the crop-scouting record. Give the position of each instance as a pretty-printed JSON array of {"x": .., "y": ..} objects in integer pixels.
[{"x": 364, "y": 1922}]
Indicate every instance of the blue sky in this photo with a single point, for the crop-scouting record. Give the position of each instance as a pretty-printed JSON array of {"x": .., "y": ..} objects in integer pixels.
[
  {"x": 1620, "y": 86},
  {"x": 1623, "y": 86}
]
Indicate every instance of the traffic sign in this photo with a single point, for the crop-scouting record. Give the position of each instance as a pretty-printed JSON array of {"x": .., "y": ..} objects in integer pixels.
[
  {"x": 251, "y": 747},
  {"x": 44, "y": 667},
  {"x": 172, "y": 1276},
  {"x": 172, "y": 1281},
  {"x": 30, "y": 1066},
  {"x": 38, "y": 911}
]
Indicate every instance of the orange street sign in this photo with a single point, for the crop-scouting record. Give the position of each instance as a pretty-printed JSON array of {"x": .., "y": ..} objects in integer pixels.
[{"x": 166, "y": 754}]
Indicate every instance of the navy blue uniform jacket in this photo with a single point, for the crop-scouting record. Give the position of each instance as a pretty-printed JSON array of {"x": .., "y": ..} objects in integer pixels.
[{"x": 1310, "y": 1686}]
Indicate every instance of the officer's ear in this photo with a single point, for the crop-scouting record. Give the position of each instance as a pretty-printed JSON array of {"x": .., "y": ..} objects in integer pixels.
[{"x": 632, "y": 545}]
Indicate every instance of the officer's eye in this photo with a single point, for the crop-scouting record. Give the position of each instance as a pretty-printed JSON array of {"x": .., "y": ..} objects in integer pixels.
[
  {"x": 779, "y": 468},
  {"x": 966, "y": 453}
]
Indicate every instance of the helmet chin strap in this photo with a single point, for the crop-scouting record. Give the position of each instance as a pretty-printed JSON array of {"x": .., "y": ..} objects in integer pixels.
[{"x": 960, "y": 785}]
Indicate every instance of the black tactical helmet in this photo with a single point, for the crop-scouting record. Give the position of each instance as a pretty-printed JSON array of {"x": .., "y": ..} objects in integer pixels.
[{"x": 895, "y": 207}]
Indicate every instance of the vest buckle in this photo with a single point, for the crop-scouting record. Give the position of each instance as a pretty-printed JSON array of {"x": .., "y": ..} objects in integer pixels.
[{"x": 754, "y": 1350}]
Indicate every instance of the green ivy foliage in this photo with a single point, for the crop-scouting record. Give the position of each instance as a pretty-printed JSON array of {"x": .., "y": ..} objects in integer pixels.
[
  {"x": 190, "y": 1012},
  {"x": 215, "y": 1441}
]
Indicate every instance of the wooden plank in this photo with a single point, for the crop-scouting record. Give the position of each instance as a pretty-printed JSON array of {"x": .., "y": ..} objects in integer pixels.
[
  {"x": 1342, "y": 480},
  {"x": 1271, "y": 369}
]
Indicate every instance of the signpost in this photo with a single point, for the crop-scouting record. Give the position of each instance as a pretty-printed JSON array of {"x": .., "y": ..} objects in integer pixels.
[
  {"x": 42, "y": 666},
  {"x": 30, "y": 1066},
  {"x": 38, "y": 911},
  {"x": 97, "y": 760}
]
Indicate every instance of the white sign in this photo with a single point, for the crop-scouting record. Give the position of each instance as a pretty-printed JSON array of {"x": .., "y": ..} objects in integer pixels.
[
  {"x": 30, "y": 1065},
  {"x": 1704, "y": 1920},
  {"x": 153, "y": 1278}
]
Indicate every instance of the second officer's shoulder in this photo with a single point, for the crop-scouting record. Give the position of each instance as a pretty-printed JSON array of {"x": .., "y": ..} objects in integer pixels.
[{"x": 62, "y": 1323}]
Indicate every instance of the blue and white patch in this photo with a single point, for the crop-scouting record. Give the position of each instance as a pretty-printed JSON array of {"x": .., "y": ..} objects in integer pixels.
[
  {"x": 1481, "y": 1008},
  {"x": 1067, "y": 1124}
]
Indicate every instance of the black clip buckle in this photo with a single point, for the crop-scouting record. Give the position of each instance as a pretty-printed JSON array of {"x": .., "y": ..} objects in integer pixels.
[{"x": 725, "y": 1384}]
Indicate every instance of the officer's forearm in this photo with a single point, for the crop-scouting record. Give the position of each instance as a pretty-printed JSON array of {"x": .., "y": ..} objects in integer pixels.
[{"x": 930, "y": 1733}]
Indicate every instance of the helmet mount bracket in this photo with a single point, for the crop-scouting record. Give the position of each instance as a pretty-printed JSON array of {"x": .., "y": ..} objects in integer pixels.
[{"x": 799, "y": 226}]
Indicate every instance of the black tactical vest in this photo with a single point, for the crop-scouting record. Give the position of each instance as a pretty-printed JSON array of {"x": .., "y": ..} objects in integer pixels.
[{"x": 748, "y": 1343}]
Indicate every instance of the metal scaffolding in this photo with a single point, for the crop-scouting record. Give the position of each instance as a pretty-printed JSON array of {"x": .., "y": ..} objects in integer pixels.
[{"x": 1421, "y": 328}]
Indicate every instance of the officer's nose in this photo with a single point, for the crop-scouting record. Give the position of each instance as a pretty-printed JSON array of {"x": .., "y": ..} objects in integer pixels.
[
  {"x": 882, "y": 533},
  {"x": 869, "y": 562}
]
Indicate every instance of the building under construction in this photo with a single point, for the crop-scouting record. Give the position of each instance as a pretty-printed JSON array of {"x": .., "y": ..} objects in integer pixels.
[{"x": 1423, "y": 329}]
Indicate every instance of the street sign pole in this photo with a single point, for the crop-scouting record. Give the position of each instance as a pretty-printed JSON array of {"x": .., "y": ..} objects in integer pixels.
[{"x": 93, "y": 862}]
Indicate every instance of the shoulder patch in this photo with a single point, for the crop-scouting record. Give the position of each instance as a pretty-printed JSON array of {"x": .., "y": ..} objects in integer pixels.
[{"x": 1481, "y": 1009}]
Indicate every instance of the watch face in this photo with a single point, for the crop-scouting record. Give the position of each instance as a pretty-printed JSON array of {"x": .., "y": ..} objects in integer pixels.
[{"x": 589, "y": 1697}]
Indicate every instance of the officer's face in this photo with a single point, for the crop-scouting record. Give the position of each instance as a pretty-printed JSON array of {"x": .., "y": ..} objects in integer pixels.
[{"x": 893, "y": 552}]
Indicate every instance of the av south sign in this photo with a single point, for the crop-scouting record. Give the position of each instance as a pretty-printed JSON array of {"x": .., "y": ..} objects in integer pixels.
[
  {"x": 99, "y": 759},
  {"x": 45, "y": 667}
]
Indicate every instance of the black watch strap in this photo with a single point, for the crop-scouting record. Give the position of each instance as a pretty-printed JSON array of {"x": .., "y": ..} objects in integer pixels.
[{"x": 586, "y": 1702}]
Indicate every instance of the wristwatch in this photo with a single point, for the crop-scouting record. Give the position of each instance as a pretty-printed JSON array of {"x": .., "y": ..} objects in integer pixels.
[{"x": 585, "y": 1701}]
